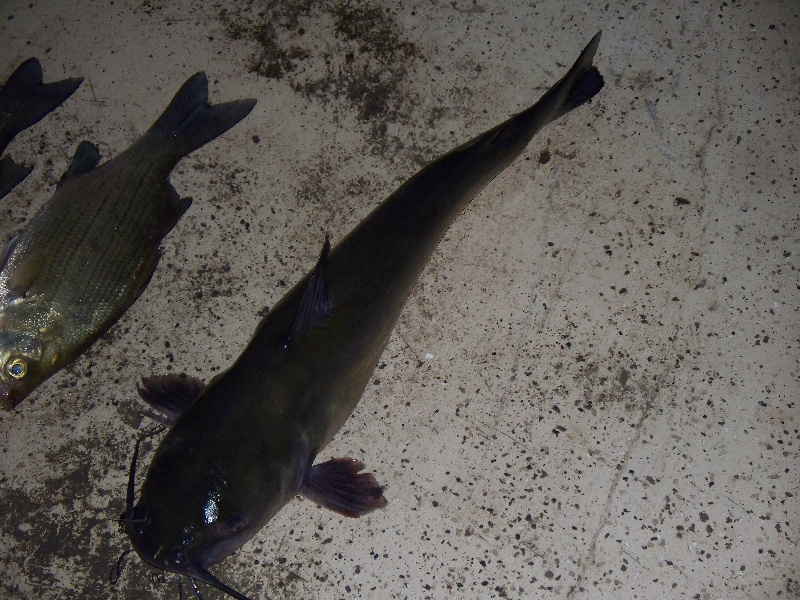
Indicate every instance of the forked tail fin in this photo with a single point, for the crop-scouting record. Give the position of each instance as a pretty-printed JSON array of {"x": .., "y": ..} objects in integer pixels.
[
  {"x": 585, "y": 80},
  {"x": 26, "y": 100},
  {"x": 191, "y": 122}
]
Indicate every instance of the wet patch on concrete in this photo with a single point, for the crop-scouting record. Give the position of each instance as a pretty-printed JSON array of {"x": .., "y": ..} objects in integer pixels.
[{"x": 362, "y": 64}]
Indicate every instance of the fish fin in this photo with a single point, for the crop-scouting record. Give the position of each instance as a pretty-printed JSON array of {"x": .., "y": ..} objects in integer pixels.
[
  {"x": 339, "y": 486},
  {"x": 190, "y": 121},
  {"x": 27, "y": 99},
  {"x": 12, "y": 243},
  {"x": 315, "y": 304},
  {"x": 11, "y": 174},
  {"x": 173, "y": 208},
  {"x": 171, "y": 394},
  {"x": 86, "y": 158},
  {"x": 585, "y": 80},
  {"x": 24, "y": 276}
]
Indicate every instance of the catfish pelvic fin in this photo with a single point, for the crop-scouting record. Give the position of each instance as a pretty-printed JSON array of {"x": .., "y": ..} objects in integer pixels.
[
  {"x": 86, "y": 158},
  {"x": 339, "y": 485},
  {"x": 170, "y": 395},
  {"x": 315, "y": 304}
]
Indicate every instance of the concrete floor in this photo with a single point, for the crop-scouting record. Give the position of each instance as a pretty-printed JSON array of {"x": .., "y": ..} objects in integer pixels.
[{"x": 592, "y": 392}]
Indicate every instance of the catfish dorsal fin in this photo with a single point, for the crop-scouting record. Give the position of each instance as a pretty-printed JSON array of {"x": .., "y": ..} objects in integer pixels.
[
  {"x": 170, "y": 395},
  {"x": 86, "y": 158},
  {"x": 314, "y": 304}
]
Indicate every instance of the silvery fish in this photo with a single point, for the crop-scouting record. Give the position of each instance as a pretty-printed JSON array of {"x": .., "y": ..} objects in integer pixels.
[
  {"x": 242, "y": 446},
  {"x": 90, "y": 250},
  {"x": 24, "y": 101}
]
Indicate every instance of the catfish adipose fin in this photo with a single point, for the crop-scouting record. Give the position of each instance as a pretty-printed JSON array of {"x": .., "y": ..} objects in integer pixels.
[
  {"x": 24, "y": 101},
  {"x": 245, "y": 447}
]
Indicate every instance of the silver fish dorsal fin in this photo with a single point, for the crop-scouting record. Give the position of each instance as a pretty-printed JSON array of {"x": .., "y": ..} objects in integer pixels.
[{"x": 86, "y": 158}]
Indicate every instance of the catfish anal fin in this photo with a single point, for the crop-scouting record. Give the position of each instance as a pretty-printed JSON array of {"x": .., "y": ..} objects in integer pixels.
[
  {"x": 171, "y": 394},
  {"x": 340, "y": 486},
  {"x": 315, "y": 303}
]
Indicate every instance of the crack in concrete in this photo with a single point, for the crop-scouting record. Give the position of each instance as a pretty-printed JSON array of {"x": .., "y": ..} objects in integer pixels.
[{"x": 650, "y": 394}]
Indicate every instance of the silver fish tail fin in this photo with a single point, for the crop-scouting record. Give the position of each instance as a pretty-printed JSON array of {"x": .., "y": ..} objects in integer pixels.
[
  {"x": 191, "y": 122},
  {"x": 27, "y": 99}
]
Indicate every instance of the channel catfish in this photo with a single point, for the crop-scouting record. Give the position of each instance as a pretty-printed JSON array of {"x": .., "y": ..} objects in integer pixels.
[
  {"x": 90, "y": 250},
  {"x": 242, "y": 446},
  {"x": 24, "y": 101}
]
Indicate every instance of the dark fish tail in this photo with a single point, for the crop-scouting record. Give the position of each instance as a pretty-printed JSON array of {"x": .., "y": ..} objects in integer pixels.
[
  {"x": 190, "y": 121},
  {"x": 581, "y": 83},
  {"x": 25, "y": 100}
]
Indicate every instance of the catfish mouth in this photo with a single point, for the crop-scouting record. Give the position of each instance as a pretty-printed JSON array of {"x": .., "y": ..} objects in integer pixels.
[
  {"x": 147, "y": 545},
  {"x": 173, "y": 560},
  {"x": 156, "y": 555}
]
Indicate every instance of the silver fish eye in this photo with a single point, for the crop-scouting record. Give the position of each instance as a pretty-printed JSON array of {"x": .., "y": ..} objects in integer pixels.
[{"x": 17, "y": 368}]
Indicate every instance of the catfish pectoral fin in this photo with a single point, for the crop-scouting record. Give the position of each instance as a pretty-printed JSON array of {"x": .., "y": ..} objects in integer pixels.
[
  {"x": 339, "y": 485},
  {"x": 171, "y": 394}
]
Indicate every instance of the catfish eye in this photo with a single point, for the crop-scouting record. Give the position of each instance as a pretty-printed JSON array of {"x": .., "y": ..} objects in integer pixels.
[{"x": 17, "y": 368}]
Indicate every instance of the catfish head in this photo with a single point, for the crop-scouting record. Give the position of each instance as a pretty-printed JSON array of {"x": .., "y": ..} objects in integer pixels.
[
  {"x": 27, "y": 358},
  {"x": 195, "y": 511}
]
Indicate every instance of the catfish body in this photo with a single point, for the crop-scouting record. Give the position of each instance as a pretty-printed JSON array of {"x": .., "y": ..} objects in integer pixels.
[
  {"x": 244, "y": 445},
  {"x": 24, "y": 101},
  {"x": 90, "y": 250}
]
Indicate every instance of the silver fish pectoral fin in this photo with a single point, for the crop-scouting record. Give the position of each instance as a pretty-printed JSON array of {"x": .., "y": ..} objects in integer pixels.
[{"x": 339, "y": 485}]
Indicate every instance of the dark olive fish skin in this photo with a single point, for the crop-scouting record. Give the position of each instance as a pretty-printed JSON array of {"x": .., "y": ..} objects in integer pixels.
[
  {"x": 245, "y": 446},
  {"x": 24, "y": 101},
  {"x": 90, "y": 250}
]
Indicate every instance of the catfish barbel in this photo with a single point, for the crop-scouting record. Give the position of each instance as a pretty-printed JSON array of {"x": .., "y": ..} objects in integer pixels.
[
  {"x": 90, "y": 250},
  {"x": 24, "y": 101},
  {"x": 242, "y": 446}
]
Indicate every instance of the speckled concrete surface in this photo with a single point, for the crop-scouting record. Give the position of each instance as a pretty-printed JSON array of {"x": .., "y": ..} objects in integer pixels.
[{"x": 592, "y": 392}]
